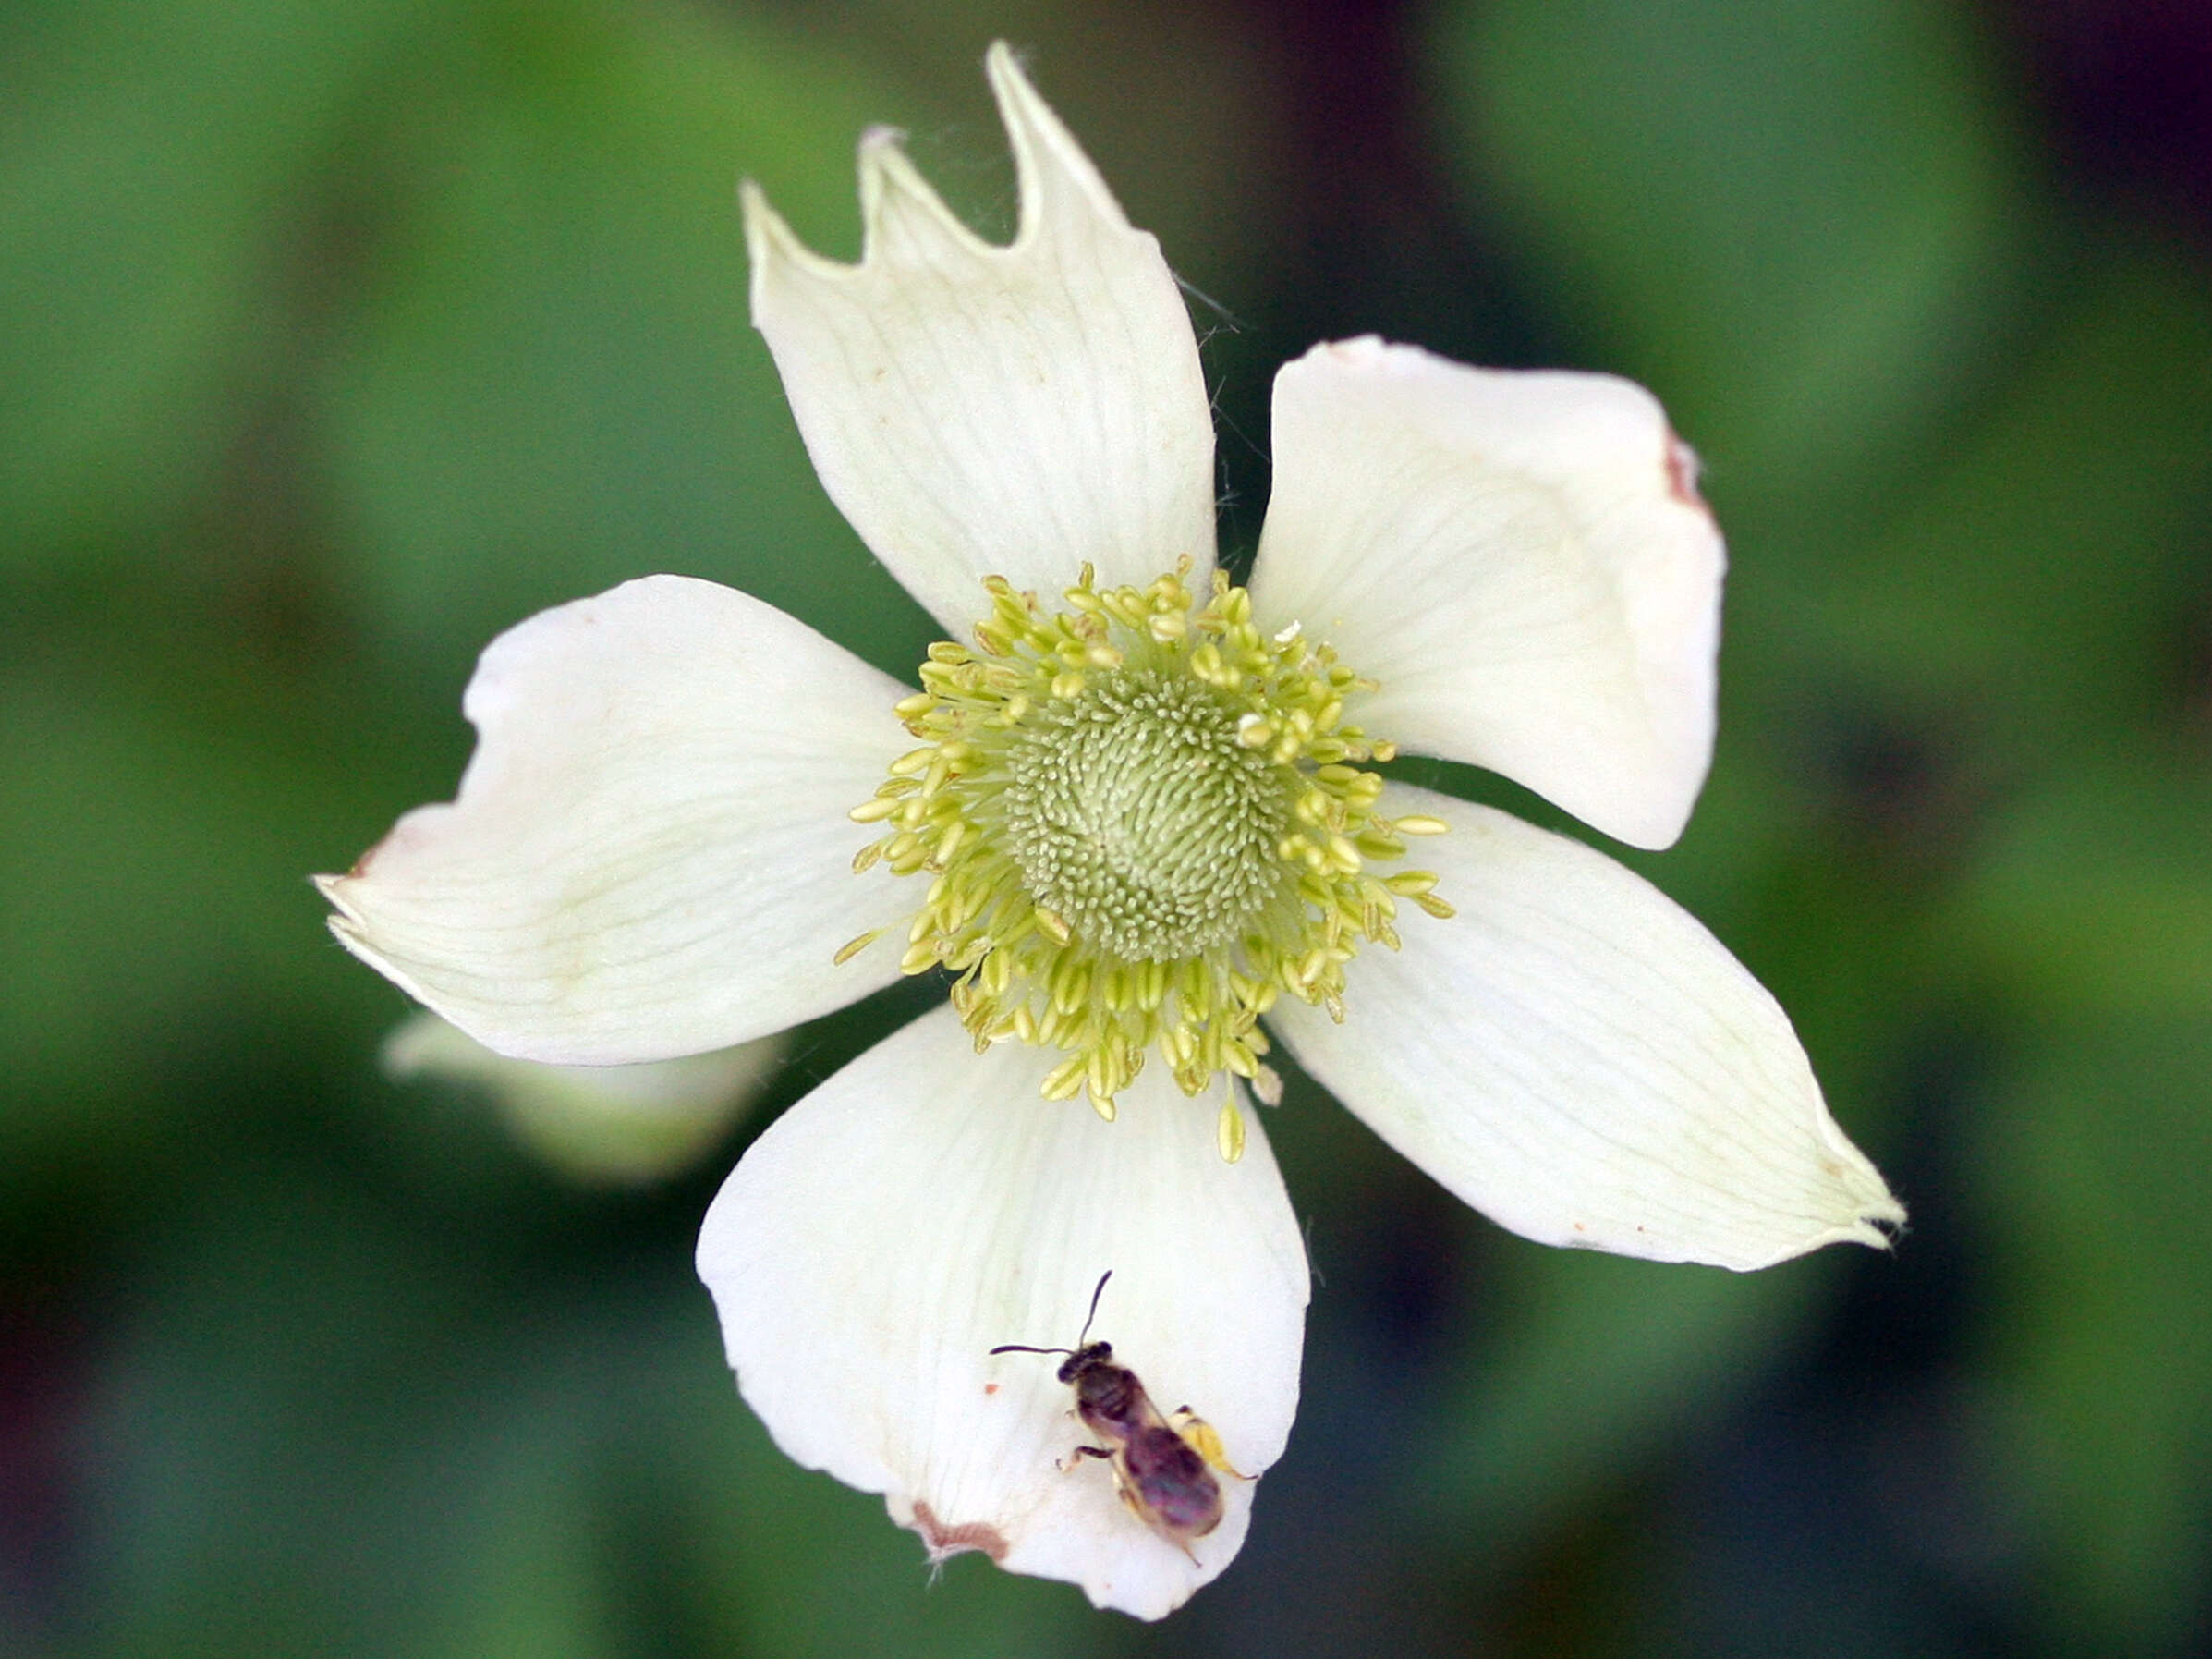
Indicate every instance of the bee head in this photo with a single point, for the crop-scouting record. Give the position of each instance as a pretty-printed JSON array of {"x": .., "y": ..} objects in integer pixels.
[{"x": 1090, "y": 1358}]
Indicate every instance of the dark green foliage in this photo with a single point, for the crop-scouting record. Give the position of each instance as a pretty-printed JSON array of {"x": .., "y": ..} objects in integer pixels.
[{"x": 339, "y": 336}]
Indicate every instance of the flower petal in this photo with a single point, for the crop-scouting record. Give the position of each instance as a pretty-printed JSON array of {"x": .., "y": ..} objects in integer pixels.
[
  {"x": 622, "y": 1125},
  {"x": 978, "y": 410},
  {"x": 650, "y": 854},
  {"x": 1521, "y": 558},
  {"x": 923, "y": 1207},
  {"x": 1577, "y": 1058}
]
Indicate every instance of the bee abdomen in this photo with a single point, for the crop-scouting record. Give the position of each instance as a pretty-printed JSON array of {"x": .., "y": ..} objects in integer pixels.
[{"x": 1174, "y": 1483}]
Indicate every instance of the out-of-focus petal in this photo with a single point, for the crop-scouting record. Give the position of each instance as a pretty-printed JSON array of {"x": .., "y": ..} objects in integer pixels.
[
  {"x": 1521, "y": 558},
  {"x": 650, "y": 854},
  {"x": 923, "y": 1207},
  {"x": 1577, "y": 1058},
  {"x": 622, "y": 1125},
  {"x": 978, "y": 410}
]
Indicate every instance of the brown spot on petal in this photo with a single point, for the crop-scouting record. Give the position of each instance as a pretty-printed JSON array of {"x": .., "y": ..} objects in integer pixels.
[
  {"x": 946, "y": 1541},
  {"x": 360, "y": 865},
  {"x": 990, "y": 1388},
  {"x": 1681, "y": 475}
]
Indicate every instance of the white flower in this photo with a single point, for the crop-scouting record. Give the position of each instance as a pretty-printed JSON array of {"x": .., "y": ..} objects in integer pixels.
[{"x": 1138, "y": 818}]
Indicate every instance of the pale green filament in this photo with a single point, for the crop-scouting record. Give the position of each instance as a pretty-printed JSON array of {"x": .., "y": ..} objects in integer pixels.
[{"x": 1145, "y": 822}]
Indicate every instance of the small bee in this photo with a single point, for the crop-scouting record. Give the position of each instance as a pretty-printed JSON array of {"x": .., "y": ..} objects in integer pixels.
[{"x": 1161, "y": 1463}]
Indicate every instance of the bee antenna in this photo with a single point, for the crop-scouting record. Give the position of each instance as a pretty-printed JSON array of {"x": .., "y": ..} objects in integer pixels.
[
  {"x": 1023, "y": 1348},
  {"x": 1094, "y": 1305}
]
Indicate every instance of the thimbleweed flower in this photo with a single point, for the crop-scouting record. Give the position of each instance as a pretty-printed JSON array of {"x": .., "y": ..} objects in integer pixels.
[{"x": 1131, "y": 813}]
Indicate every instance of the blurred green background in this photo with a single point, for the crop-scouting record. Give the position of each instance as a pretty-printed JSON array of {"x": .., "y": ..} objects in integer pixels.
[{"x": 337, "y": 335}]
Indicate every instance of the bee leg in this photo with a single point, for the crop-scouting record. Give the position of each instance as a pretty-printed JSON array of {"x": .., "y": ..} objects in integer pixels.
[
  {"x": 1199, "y": 1435},
  {"x": 1131, "y": 1499},
  {"x": 1083, "y": 1451}
]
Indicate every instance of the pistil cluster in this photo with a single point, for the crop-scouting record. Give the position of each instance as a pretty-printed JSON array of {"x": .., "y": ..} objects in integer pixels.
[{"x": 1144, "y": 821}]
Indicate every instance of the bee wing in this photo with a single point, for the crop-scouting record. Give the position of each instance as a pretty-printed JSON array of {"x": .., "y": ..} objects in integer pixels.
[{"x": 1169, "y": 1484}]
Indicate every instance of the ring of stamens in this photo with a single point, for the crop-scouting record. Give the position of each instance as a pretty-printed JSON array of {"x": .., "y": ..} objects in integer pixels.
[{"x": 1145, "y": 822}]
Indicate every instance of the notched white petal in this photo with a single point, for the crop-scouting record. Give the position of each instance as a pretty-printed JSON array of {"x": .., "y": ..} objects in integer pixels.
[
  {"x": 904, "y": 220},
  {"x": 1575, "y": 1055},
  {"x": 1520, "y": 558},
  {"x": 980, "y": 410},
  {"x": 923, "y": 1207},
  {"x": 649, "y": 855}
]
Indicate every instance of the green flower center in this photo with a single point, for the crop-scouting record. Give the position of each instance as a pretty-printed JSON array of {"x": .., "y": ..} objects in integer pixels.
[
  {"x": 1134, "y": 813},
  {"x": 1144, "y": 821}
]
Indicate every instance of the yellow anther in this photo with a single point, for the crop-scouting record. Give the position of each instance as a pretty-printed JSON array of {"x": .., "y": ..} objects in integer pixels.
[
  {"x": 1071, "y": 986},
  {"x": 853, "y": 947},
  {"x": 1229, "y": 1131}
]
